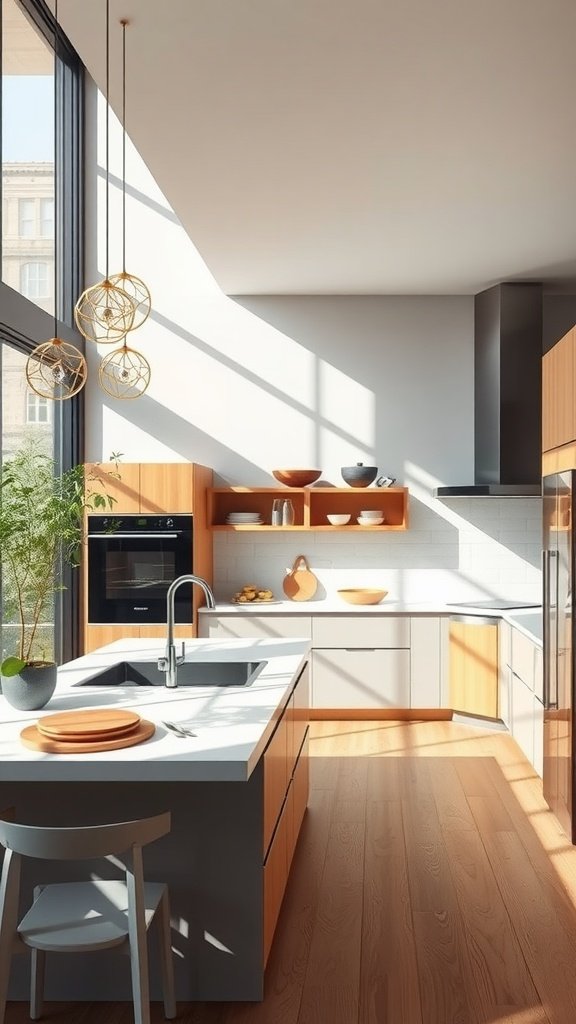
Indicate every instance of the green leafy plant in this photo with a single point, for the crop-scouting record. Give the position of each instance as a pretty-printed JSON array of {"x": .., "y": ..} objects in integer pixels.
[{"x": 42, "y": 515}]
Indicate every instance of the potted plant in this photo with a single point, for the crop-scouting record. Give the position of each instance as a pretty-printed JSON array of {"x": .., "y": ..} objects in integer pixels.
[{"x": 41, "y": 532}]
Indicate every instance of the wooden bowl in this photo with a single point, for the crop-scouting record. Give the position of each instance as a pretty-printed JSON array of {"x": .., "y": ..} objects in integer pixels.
[
  {"x": 296, "y": 477},
  {"x": 362, "y": 595}
]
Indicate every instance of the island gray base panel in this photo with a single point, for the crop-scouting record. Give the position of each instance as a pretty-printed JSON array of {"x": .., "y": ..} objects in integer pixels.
[{"x": 211, "y": 860}]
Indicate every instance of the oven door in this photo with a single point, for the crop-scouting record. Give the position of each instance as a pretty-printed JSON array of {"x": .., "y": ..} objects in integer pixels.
[{"x": 129, "y": 575}]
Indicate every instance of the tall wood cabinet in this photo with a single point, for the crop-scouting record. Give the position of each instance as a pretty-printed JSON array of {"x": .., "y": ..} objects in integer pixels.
[
  {"x": 171, "y": 487},
  {"x": 559, "y": 394},
  {"x": 474, "y": 665}
]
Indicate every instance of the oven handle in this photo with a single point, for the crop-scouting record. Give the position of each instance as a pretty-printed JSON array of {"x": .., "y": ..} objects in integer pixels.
[{"x": 132, "y": 536}]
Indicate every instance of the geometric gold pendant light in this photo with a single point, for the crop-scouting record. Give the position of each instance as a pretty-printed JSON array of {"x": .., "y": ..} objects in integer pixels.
[
  {"x": 104, "y": 313},
  {"x": 56, "y": 369},
  {"x": 129, "y": 283}
]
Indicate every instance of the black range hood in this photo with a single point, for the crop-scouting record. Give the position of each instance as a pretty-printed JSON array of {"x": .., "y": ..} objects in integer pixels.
[{"x": 507, "y": 394}]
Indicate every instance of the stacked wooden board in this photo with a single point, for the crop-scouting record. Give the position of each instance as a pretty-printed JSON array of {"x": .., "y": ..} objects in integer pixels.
[{"x": 82, "y": 732}]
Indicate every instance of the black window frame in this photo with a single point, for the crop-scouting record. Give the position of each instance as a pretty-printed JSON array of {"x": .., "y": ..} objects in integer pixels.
[{"x": 24, "y": 325}]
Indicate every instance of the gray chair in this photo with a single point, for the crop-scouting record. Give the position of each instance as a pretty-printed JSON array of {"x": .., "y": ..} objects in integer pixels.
[{"x": 75, "y": 917}]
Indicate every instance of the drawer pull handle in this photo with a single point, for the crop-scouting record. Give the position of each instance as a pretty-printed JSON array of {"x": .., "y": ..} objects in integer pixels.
[{"x": 356, "y": 649}]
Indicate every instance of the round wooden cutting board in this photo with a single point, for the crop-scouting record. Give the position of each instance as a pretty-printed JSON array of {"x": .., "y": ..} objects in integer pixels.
[
  {"x": 33, "y": 738},
  {"x": 93, "y": 724},
  {"x": 300, "y": 584}
]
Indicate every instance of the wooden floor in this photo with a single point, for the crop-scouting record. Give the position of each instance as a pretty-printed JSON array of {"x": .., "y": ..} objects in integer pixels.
[{"x": 431, "y": 885}]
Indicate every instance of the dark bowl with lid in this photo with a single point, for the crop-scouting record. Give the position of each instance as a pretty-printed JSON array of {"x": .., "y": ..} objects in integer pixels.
[{"x": 359, "y": 475}]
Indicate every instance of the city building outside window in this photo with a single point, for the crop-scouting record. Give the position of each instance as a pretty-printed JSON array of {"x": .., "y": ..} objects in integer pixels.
[
  {"x": 47, "y": 218},
  {"x": 35, "y": 280},
  {"x": 26, "y": 218},
  {"x": 38, "y": 409}
]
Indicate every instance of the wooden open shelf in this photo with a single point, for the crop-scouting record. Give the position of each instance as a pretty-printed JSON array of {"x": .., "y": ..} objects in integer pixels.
[{"x": 311, "y": 506}]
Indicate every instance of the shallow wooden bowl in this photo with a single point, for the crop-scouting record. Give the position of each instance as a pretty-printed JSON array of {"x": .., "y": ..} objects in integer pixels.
[
  {"x": 362, "y": 595},
  {"x": 296, "y": 477}
]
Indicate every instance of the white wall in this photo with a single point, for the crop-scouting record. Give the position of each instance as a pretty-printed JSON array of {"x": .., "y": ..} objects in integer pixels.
[{"x": 251, "y": 384}]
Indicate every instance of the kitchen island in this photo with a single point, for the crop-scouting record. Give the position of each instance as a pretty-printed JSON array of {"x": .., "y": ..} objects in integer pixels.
[{"x": 237, "y": 792}]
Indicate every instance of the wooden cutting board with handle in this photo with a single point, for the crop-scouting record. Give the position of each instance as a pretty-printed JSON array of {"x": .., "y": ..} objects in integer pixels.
[{"x": 300, "y": 584}]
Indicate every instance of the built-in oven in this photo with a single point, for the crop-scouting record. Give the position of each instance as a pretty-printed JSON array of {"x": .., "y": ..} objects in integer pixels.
[{"x": 131, "y": 562}]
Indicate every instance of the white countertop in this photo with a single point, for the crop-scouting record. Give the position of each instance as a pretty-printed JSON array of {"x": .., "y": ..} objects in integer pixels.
[
  {"x": 233, "y": 724},
  {"x": 528, "y": 620}
]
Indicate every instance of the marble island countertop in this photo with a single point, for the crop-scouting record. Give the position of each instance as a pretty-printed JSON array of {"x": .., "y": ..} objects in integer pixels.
[{"x": 232, "y": 723}]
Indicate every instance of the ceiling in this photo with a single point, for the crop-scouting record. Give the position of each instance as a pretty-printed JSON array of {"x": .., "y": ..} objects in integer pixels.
[{"x": 354, "y": 146}]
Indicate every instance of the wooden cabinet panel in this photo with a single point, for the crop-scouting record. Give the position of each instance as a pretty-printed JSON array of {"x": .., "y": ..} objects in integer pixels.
[
  {"x": 276, "y": 778},
  {"x": 360, "y": 631},
  {"x": 124, "y": 488},
  {"x": 361, "y": 678},
  {"x": 474, "y": 668},
  {"x": 299, "y": 707},
  {"x": 298, "y": 796},
  {"x": 98, "y": 636},
  {"x": 275, "y": 878},
  {"x": 538, "y": 673},
  {"x": 166, "y": 487},
  {"x": 559, "y": 393},
  {"x": 244, "y": 626},
  {"x": 504, "y": 672},
  {"x": 425, "y": 662}
]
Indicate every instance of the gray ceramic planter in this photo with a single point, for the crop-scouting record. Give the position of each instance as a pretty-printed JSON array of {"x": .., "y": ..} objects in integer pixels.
[{"x": 32, "y": 688}]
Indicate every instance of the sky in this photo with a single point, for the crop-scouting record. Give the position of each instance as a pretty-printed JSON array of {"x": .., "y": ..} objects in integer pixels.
[{"x": 27, "y": 118}]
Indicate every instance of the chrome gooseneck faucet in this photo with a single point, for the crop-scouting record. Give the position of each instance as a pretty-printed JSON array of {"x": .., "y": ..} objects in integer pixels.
[{"x": 169, "y": 663}]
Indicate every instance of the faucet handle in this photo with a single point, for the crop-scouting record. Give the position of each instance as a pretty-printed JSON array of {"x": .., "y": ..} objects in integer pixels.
[
  {"x": 180, "y": 657},
  {"x": 162, "y": 664}
]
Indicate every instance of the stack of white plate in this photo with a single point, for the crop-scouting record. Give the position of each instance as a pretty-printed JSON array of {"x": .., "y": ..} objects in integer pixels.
[{"x": 244, "y": 519}]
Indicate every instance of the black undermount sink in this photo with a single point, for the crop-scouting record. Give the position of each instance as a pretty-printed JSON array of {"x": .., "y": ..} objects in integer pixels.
[{"x": 189, "y": 673}]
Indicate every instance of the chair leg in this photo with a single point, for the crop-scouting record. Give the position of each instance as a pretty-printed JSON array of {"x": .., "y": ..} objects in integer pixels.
[
  {"x": 9, "y": 888},
  {"x": 38, "y": 972},
  {"x": 166, "y": 961},
  {"x": 138, "y": 939}
]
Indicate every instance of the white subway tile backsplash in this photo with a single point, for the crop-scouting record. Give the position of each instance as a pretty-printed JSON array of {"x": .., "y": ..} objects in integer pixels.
[{"x": 476, "y": 548}]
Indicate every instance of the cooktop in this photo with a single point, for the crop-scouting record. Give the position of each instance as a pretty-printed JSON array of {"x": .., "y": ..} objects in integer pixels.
[{"x": 501, "y": 604}]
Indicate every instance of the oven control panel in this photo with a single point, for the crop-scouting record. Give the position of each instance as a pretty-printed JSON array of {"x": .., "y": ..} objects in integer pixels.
[{"x": 139, "y": 524}]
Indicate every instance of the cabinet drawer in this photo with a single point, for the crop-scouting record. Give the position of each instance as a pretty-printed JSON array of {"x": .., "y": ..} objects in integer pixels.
[
  {"x": 298, "y": 799},
  {"x": 297, "y": 716},
  {"x": 523, "y": 658},
  {"x": 230, "y": 626},
  {"x": 275, "y": 876},
  {"x": 361, "y": 679},
  {"x": 276, "y": 778},
  {"x": 360, "y": 631}
]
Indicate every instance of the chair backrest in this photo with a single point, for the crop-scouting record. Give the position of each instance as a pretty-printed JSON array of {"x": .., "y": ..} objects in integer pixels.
[{"x": 82, "y": 843}]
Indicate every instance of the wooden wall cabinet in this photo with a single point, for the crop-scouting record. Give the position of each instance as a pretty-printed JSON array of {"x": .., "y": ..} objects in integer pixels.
[
  {"x": 559, "y": 394},
  {"x": 474, "y": 666},
  {"x": 177, "y": 487}
]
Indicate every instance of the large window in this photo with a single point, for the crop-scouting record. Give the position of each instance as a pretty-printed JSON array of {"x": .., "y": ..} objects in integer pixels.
[
  {"x": 27, "y": 150},
  {"x": 41, "y": 176}
]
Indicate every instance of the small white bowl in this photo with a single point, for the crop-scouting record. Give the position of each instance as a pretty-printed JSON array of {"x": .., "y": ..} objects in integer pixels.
[
  {"x": 339, "y": 519},
  {"x": 370, "y": 521},
  {"x": 371, "y": 513}
]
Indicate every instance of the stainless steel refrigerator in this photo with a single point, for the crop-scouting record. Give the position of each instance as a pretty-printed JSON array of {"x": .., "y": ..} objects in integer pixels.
[{"x": 558, "y": 576}]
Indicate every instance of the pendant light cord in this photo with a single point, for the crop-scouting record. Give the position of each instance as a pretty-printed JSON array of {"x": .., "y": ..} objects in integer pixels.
[
  {"x": 56, "y": 204},
  {"x": 124, "y": 23},
  {"x": 107, "y": 132}
]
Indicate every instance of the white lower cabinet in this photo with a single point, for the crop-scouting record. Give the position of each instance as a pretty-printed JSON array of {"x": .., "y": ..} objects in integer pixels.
[
  {"x": 361, "y": 678},
  {"x": 229, "y": 627},
  {"x": 425, "y": 661},
  {"x": 505, "y": 673},
  {"x": 527, "y": 711}
]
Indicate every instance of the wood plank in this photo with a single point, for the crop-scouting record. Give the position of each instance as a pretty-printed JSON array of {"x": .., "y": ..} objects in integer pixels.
[
  {"x": 501, "y": 976},
  {"x": 331, "y": 987},
  {"x": 452, "y": 806},
  {"x": 389, "y": 991},
  {"x": 548, "y": 942}
]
